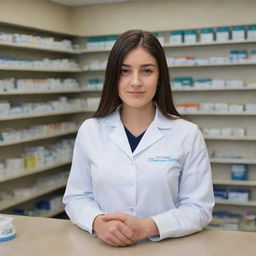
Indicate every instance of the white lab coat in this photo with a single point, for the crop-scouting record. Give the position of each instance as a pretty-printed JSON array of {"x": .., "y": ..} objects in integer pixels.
[{"x": 166, "y": 178}]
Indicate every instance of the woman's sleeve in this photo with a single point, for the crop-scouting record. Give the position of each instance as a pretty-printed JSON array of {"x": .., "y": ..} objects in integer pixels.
[
  {"x": 78, "y": 198},
  {"x": 196, "y": 199}
]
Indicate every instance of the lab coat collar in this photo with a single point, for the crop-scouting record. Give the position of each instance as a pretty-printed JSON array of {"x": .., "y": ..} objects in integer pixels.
[
  {"x": 152, "y": 134},
  {"x": 160, "y": 120}
]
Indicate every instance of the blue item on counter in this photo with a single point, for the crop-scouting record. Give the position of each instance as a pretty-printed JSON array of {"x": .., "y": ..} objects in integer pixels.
[{"x": 7, "y": 230}]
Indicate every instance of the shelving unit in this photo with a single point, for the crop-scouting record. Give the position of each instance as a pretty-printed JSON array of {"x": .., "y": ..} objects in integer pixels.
[
  {"x": 5, "y": 118},
  {"x": 245, "y": 138},
  {"x": 40, "y": 48},
  {"x": 34, "y": 171},
  {"x": 44, "y": 92},
  {"x": 220, "y": 145},
  {"x": 234, "y": 183},
  {"x": 35, "y": 138},
  {"x": 52, "y": 213},
  {"x": 235, "y": 161},
  {"x": 15, "y": 148},
  {"x": 198, "y": 44},
  {"x": 227, "y": 202},
  {"x": 212, "y": 65},
  {"x": 5, "y": 204},
  {"x": 33, "y": 69}
]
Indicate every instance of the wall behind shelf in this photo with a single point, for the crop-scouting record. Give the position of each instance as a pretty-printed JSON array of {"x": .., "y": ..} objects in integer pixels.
[
  {"x": 115, "y": 18},
  {"x": 39, "y": 14},
  {"x": 161, "y": 15}
]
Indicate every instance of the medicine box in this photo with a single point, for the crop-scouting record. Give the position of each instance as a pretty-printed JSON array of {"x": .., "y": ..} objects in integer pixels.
[
  {"x": 176, "y": 37},
  {"x": 222, "y": 34},
  {"x": 190, "y": 36},
  {"x": 220, "y": 193},
  {"x": 238, "y": 33},
  {"x": 239, "y": 195},
  {"x": 251, "y": 32},
  {"x": 239, "y": 172},
  {"x": 206, "y": 35}
]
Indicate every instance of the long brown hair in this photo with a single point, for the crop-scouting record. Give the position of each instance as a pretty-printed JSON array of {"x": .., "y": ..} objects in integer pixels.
[{"x": 129, "y": 40}]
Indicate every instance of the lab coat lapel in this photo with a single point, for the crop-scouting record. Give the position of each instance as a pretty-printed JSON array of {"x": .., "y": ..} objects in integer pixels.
[
  {"x": 117, "y": 132},
  {"x": 119, "y": 137},
  {"x": 152, "y": 135}
]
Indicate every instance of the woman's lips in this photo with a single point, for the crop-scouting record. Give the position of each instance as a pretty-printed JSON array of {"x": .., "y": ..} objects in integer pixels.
[{"x": 135, "y": 93}]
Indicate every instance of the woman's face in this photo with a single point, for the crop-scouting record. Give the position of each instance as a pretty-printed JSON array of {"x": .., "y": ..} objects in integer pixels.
[{"x": 138, "y": 79}]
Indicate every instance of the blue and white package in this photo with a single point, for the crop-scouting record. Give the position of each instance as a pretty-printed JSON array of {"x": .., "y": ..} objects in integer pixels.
[
  {"x": 239, "y": 195},
  {"x": 220, "y": 193},
  {"x": 239, "y": 172}
]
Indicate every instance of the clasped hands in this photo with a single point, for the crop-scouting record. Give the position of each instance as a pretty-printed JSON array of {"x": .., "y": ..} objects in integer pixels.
[{"x": 120, "y": 229}]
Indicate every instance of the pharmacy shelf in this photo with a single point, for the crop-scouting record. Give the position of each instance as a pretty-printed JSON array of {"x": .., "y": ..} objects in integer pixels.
[
  {"x": 186, "y": 66},
  {"x": 245, "y": 138},
  {"x": 5, "y": 204},
  {"x": 213, "y": 65},
  {"x": 229, "y": 42},
  {"x": 48, "y": 214},
  {"x": 191, "y": 89},
  {"x": 229, "y": 202},
  {"x": 41, "y": 48},
  {"x": 94, "y": 50},
  {"x": 33, "y": 69},
  {"x": 234, "y": 182},
  {"x": 233, "y": 161},
  {"x": 218, "y": 113},
  {"x": 37, "y": 138},
  {"x": 34, "y": 171},
  {"x": 43, "y": 115},
  {"x": 42, "y": 92},
  {"x": 93, "y": 91},
  {"x": 94, "y": 70}
]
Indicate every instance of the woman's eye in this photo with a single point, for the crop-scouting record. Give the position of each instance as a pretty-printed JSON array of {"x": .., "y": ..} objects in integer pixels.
[
  {"x": 147, "y": 71},
  {"x": 124, "y": 71}
]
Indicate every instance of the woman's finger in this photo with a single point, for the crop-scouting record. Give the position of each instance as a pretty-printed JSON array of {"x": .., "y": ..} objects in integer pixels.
[
  {"x": 123, "y": 238},
  {"x": 115, "y": 241},
  {"x": 125, "y": 230}
]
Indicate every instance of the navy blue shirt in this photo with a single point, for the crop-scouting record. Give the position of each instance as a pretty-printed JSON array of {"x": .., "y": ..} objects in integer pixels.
[{"x": 133, "y": 140}]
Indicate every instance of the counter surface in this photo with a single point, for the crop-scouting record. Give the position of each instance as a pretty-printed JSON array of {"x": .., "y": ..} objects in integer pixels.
[{"x": 54, "y": 237}]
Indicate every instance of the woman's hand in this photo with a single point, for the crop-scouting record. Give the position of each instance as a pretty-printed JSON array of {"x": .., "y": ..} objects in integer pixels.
[
  {"x": 141, "y": 228},
  {"x": 113, "y": 232}
]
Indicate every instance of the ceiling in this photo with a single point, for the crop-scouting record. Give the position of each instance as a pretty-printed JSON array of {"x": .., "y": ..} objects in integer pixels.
[{"x": 86, "y": 2}]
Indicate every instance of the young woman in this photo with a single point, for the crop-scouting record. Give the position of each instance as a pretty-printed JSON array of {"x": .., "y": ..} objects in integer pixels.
[{"x": 139, "y": 170}]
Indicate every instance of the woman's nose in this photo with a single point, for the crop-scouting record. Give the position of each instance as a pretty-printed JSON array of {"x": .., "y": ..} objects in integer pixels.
[{"x": 136, "y": 81}]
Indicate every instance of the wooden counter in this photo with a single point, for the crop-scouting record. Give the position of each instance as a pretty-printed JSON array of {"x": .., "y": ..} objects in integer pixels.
[{"x": 53, "y": 237}]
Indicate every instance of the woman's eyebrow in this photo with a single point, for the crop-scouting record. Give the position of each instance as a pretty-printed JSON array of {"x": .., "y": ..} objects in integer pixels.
[{"x": 144, "y": 65}]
